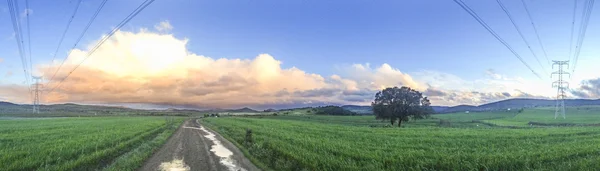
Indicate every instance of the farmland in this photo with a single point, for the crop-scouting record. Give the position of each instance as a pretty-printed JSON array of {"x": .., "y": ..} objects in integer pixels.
[
  {"x": 576, "y": 116},
  {"x": 314, "y": 142},
  {"x": 93, "y": 143}
]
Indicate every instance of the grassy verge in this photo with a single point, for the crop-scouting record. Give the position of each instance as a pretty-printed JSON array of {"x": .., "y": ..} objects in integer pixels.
[{"x": 134, "y": 159}]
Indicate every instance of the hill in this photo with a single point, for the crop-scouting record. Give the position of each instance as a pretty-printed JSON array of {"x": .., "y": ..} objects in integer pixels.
[
  {"x": 499, "y": 105},
  {"x": 6, "y": 103},
  {"x": 242, "y": 110},
  {"x": 520, "y": 103},
  {"x": 333, "y": 110},
  {"x": 358, "y": 109},
  {"x": 437, "y": 109},
  {"x": 367, "y": 110}
]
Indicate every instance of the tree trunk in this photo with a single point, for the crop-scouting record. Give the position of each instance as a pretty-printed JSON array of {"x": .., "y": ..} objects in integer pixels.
[
  {"x": 392, "y": 121},
  {"x": 399, "y": 122}
]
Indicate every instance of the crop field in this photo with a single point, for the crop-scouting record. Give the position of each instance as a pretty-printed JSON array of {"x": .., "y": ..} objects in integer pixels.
[
  {"x": 576, "y": 116},
  {"x": 349, "y": 143},
  {"x": 468, "y": 117},
  {"x": 368, "y": 120},
  {"x": 95, "y": 143}
]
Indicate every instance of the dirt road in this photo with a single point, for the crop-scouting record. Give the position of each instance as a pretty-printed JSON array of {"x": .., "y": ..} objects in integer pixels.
[{"x": 193, "y": 147}]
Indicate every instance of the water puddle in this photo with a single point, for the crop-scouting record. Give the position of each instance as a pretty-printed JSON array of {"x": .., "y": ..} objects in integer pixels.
[
  {"x": 221, "y": 151},
  {"x": 175, "y": 165}
]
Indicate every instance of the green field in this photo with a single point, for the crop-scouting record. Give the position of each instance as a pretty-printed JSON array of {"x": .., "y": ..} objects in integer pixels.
[
  {"x": 95, "y": 143},
  {"x": 350, "y": 142}
]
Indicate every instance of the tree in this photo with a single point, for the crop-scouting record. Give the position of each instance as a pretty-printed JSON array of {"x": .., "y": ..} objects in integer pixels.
[
  {"x": 400, "y": 104},
  {"x": 333, "y": 110}
]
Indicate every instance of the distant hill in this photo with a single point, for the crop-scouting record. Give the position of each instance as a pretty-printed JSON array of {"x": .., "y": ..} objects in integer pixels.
[
  {"x": 181, "y": 110},
  {"x": 68, "y": 108},
  {"x": 519, "y": 103},
  {"x": 459, "y": 108},
  {"x": 242, "y": 110},
  {"x": 359, "y": 109},
  {"x": 2, "y": 103},
  {"x": 334, "y": 110},
  {"x": 439, "y": 108},
  {"x": 367, "y": 110},
  {"x": 499, "y": 105},
  {"x": 269, "y": 110}
]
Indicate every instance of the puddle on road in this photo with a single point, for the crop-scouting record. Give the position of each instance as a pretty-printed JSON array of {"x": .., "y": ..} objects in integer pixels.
[
  {"x": 221, "y": 151},
  {"x": 175, "y": 165}
]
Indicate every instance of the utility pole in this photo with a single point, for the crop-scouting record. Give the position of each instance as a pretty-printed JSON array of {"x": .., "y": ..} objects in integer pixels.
[
  {"x": 561, "y": 86},
  {"x": 36, "y": 94}
]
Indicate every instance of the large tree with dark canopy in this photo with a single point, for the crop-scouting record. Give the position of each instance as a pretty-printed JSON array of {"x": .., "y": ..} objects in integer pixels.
[{"x": 401, "y": 104}]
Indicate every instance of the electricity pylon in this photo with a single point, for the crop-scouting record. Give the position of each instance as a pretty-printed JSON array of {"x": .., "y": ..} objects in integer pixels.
[
  {"x": 561, "y": 86},
  {"x": 36, "y": 94}
]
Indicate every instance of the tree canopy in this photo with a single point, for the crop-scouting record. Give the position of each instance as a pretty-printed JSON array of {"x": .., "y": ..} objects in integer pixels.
[
  {"x": 333, "y": 110},
  {"x": 400, "y": 104}
]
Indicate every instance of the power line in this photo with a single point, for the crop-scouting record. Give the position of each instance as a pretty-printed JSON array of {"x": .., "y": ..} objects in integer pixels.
[
  {"x": 80, "y": 37},
  {"x": 66, "y": 29},
  {"x": 489, "y": 29},
  {"x": 572, "y": 28},
  {"x": 28, "y": 35},
  {"x": 520, "y": 33},
  {"x": 585, "y": 18},
  {"x": 125, "y": 21},
  {"x": 535, "y": 30},
  {"x": 13, "y": 9}
]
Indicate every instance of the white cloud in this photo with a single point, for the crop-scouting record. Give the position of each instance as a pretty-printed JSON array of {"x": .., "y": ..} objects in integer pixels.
[
  {"x": 163, "y": 26},
  {"x": 147, "y": 67},
  {"x": 494, "y": 87},
  {"x": 380, "y": 77},
  {"x": 491, "y": 73},
  {"x": 157, "y": 68},
  {"x": 1, "y": 60},
  {"x": 441, "y": 79}
]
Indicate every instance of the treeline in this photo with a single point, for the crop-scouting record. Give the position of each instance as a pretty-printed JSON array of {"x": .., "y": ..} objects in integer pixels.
[{"x": 333, "y": 110}]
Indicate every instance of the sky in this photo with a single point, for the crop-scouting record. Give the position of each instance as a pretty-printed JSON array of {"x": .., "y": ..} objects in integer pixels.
[{"x": 268, "y": 53}]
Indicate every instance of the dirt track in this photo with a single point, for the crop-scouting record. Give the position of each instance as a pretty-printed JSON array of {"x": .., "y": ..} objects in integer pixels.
[{"x": 189, "y": 149}]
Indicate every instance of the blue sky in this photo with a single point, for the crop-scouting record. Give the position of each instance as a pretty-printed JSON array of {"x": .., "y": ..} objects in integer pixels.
[{"x": 323, "y": 36}]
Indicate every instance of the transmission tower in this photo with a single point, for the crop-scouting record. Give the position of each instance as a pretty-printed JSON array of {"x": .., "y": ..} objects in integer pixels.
[
  {"x": 561, "y": 86},
  {"x": 36, "y": 94}
]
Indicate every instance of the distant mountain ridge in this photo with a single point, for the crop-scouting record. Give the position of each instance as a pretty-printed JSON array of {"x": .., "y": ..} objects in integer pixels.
[
  {"x": 244, "y": 110},
  {"x": 364, "y": 110},
  {"x": 8, "y": 107},
  {"x": 358, "y": 109},
  {"x": 6, "y": 103},
  {"x": 503, "y": 104}
]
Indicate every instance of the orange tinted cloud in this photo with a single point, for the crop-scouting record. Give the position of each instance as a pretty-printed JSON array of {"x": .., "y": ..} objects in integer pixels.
[{"x": 157, "y": 68}]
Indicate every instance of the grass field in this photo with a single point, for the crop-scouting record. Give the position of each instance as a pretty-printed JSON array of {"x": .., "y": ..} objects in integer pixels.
[
  {"x": 350, "y": 143},
  {"x": 582, "y": 115},
  {"x": 95, "y": 143},
  {"x": 368, "y": 120}
]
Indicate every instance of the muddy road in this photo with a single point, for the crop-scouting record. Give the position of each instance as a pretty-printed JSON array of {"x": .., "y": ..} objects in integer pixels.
[{"x": 194, "y": 147}]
